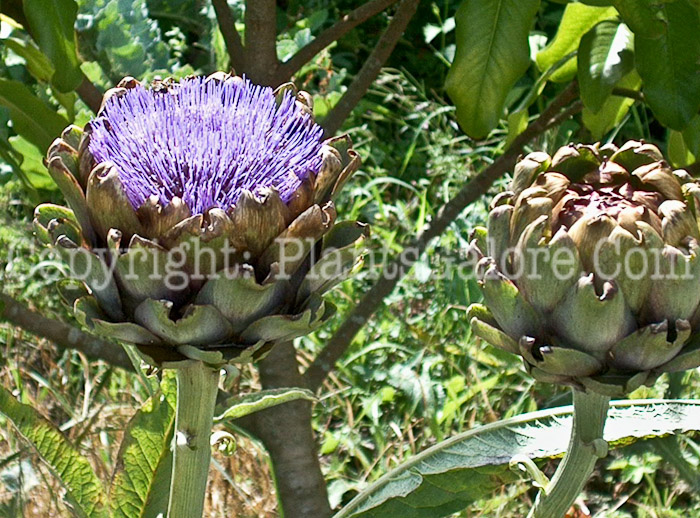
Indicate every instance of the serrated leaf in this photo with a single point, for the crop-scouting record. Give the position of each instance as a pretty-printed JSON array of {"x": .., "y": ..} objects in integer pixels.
[
  {"x": 670, "y": 66},
  {"x": 577, "y": 20},
  {"x": 642, "y": 16},
  {"x": 141, "y": 481},
  {"x": 84, "y": 491},
  {"x": 51, "y": 24},
  {"x": 605, "y": 56},
  {"x": 31, "y": 117},
  {"x": 614, "y": 109},
  {"x": 492, "y": 54},
  {"x": 251, "y": 403},
  {"x": 449, "y": 476}
]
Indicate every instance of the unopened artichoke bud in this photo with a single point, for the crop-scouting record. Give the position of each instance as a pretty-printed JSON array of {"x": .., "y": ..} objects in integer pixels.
[
  {"x": 591, "y": 268},
  {"x": 201, "y": 221}
]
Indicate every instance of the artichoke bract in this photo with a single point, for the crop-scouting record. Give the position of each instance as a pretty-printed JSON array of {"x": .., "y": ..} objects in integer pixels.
[
  {"x": 590, "y": 267},
  {"x": 201, "y": 222}
]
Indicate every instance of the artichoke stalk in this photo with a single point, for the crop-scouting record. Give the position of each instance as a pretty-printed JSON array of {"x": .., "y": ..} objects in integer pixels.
[
  {"x": 590, "y": 268},
  {"x": 201, "y": 222}
]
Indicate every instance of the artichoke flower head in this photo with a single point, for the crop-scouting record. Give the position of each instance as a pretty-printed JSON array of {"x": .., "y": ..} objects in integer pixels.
[
  {"x": 590, "y": 268},
  {"x": 201, "y": 222}
]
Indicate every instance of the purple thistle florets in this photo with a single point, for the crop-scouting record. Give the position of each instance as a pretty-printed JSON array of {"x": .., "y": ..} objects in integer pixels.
[{"x": 206, "y": 142}]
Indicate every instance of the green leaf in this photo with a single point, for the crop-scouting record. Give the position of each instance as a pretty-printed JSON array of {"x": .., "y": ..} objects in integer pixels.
[
  {"x": 517, "y": 123},
  {"x": 141, "y": 481},
  {"x": 492, "y": 54},
  {"x": 670, "y": 66},
  {"x": 642, "y": 16},
  {"x": 38, "y": 64},
  {"x": 578, "y": 19},
  {"x": 691, "y": 136},
  {"x": 51, "y": 23},
  {"x": 614, "y": 109},
  {"x": 605, "y": 56},
  {"x": 251, "y": 403},
  {"x": 84, "y": 492},
  {"x": 678, "y": 153},
  {"x": 33, "y": 171},
  {"x": 449, "y": 476},
  {"x": 31, "y": 117}
]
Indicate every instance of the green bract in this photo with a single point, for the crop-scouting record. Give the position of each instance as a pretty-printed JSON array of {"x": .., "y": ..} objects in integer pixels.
[
  {"x": 219, "y": 283},
  {"x": 590, "y": 268}
]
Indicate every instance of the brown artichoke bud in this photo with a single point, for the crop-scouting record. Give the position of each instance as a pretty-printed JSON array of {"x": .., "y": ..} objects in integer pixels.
[
  {"x": 590, "y": 268},
  {"x": 201, "y": 221}
]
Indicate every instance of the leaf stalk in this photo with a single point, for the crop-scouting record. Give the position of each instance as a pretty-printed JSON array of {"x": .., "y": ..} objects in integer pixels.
[{"x": 586, "y": 446}]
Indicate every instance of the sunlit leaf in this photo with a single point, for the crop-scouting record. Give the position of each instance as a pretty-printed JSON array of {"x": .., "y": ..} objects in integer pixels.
[
  {"x": 678, "y": 153},
  {"x": 32, "y": 167},
  {"x": 691, "y": 136},
  {"x": 492, "y": 54},
  {"x": 604, "y": 57},
  {"x": 578, "y": 19}
]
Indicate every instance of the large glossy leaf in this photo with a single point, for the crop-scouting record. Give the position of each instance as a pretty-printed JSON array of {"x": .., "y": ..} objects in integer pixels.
[
  {"x": 31, "y": 117},
  {"x": 51, "y": 24},
  {"x": 449, "y": 476},
  {"x": 644, "y": 17},
  {"x": 141, "y": 481},
  {"x": 492, "y": 54},
  {"x": 614, "y": 109},
  {"x": 577, "y": 20},
  {"x": 605, "y": 56},
  {"x": 670, "y": 66},
  {"x": 84, "y": 492}
]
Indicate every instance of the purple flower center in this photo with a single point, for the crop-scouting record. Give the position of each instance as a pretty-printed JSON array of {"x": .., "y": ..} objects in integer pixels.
[{"x": 206, "y": 142}]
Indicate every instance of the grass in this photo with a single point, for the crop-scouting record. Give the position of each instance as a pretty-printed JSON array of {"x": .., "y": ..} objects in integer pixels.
[{"x": 414, "y": 376}]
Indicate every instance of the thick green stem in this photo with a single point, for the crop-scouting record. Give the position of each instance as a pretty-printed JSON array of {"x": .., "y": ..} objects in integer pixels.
[
  {"x": 586, "y": 446},
  {"x": 197, "y": 386}
]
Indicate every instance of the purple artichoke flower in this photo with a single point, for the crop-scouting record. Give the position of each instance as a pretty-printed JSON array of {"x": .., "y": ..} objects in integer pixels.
[{"x": 201, "y": 221}]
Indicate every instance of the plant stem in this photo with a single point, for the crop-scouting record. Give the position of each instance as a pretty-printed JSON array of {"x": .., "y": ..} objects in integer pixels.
[
  {"x": 197, "y": 386},
  {"x": 586, "y": 446}
]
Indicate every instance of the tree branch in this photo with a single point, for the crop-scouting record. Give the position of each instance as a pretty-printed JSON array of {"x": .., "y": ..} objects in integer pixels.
[
  {"x": 330, "y": 35},
  {"x": 227, "y": 26},
  {"x": 370, "y": 70},
  {"x": 261, "y": 41},
  {"x": 63, "y": 335},
  {"x": 90, "y": 94},
  {"x": 394, "y": 271},
  {"x": 288, "y": 436}
]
